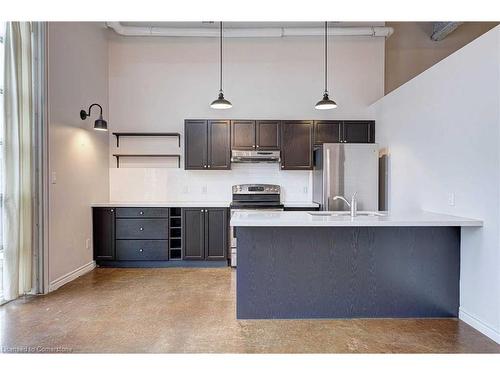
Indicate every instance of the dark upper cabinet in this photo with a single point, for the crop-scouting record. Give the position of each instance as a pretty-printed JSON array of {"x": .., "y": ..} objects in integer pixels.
[
  {"x": 243, "y": 135},
  {"x": 337, "y": 131},
  {"x": 296, "y": 145},
  {"x": 207, "y": 144},
  {"x": 327, "y": 132},
  {"x": 195, "y": 144},
  {"x": 103, "y": 223},
  {"x": 358, "y": 132},
  {"x": 255, "y": 135},
  {"x": 216, "y": 231},
  {"x": 193, "y": 236},
  {"x": 205, "y": 232},
  {"x": 219, "y": 144},
  {"x": 267, "y": 135}
]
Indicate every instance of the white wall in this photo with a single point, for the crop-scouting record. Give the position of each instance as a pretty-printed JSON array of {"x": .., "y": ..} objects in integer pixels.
[
  {"x": 441, "y": 130},
  {"x": 78, "y": 155},
  {"x": 156, "y": 83}
]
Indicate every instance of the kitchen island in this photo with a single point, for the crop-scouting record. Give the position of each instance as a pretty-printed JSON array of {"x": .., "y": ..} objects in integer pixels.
[{"x": 300, "y": 265}]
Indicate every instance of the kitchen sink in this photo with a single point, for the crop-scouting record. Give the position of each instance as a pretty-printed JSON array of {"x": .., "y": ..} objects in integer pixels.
[{"x": 346, "y": 213}]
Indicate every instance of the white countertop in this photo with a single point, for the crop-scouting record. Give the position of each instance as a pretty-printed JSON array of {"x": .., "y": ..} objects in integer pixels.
[
  {"x": 303, "y": 219},
  {"x": 189, "y": 204}
]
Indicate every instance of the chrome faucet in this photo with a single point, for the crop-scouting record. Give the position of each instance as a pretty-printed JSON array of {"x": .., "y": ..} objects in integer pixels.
[{"x": 353, "y": 205}]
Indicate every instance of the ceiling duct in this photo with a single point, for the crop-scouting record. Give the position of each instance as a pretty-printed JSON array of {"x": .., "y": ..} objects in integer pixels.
[
  {"x": 441, "y": 30},
  {"x": 249, "y": 32}
]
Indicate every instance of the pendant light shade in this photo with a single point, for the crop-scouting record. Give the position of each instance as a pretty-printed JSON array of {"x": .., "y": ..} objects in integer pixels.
[
  {"x": 326, "y": 102},
  {"x": 220, "y": 102}
]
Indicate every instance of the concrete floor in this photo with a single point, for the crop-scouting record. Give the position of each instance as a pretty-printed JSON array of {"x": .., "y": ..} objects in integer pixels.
[{"x": 193, "y": 310}]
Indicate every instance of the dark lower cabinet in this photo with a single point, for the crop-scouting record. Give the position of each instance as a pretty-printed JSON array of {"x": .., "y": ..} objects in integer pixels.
[
  {"x": 296, "y": 145},
  {"x": 205, "y": 233},
  {"x": 193, "y": 236},
  {"x": 216, "y": 233},
  {"x": 103, "y": 224},
  {"x": 134, "y": 250},
  {"x": 150, "y": 229},
  {"x": 159, "y": 236}
]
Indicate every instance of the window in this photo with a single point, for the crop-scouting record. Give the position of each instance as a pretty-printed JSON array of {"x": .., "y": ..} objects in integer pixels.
[{"x": 2, "y": 39}]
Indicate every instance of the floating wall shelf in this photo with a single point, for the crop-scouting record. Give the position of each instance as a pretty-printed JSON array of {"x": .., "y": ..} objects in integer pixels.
[
  {"x": 135, "y": 134},
  {"x": 118, "y": 156}
]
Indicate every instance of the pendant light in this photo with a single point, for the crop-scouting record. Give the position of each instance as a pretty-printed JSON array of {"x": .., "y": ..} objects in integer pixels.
[
  {"x": 326, "y": 102},
  {"x": 220, "y": 102}
]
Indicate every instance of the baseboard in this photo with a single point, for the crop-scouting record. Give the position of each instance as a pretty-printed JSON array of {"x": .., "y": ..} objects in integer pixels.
[
  {"x": 70, "y": 276},
  {"x": 484, "y": 328}
]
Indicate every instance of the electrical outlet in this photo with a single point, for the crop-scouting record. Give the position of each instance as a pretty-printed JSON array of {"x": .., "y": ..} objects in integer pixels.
[
  {"x": 185, "y": 189},
  {"x": 53, "y": 177},
  {"x": 451, "y": 199},
  {"x": 87, "y": 243},
  {"x": 305, "y": 189},
  {"x": 204, "y": 189}
]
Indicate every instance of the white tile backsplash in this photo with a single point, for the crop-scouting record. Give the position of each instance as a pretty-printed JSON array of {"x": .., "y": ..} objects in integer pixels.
[{"x": 168, "y": 184}]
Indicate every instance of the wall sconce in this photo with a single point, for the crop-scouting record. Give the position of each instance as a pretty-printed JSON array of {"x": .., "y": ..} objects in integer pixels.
[{"x": 100, "y": 123}]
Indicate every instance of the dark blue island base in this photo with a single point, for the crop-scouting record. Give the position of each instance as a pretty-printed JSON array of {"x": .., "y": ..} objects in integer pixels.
[{"x": 347, "y": 272}]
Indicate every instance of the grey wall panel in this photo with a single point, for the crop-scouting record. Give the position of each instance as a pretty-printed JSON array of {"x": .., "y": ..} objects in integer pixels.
[{"x": 291, "y": 273}]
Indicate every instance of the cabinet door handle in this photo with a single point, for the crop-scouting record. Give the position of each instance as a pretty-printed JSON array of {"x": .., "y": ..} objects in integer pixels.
[
  {"x": 141, "y": 229},
  {"x": 141, "y": 250}
]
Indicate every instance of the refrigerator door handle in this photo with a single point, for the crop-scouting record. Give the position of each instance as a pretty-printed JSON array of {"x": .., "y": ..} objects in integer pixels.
[{"x": 327, "y": 166}]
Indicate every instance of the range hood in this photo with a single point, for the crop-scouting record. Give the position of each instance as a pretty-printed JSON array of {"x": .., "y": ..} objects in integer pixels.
[{"x": 238, "y": 156}]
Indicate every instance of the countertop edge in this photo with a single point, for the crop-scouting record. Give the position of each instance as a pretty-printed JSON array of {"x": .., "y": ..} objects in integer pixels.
[{"x": 417, "y": 219}]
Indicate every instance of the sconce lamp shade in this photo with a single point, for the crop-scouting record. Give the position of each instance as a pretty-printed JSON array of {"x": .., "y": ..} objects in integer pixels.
[{"x": 100, "y": 123}]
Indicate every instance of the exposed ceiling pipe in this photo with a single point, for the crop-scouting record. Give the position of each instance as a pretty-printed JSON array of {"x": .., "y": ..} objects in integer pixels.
[
  {"x": 441, "y": 30},
  {"x": 264, "y": 32}
]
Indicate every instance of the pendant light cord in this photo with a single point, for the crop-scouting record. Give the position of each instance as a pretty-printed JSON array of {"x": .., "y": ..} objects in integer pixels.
[
  {"x": 326, "y": 56},
  {"x": 220, "y": 89}
]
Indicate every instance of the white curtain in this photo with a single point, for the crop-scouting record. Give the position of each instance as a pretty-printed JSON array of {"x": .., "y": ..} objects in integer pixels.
[{"x": 17, "y": 189}]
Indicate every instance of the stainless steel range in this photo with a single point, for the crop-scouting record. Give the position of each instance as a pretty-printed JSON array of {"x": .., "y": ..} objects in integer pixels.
[{"x": 253, "y": 197}]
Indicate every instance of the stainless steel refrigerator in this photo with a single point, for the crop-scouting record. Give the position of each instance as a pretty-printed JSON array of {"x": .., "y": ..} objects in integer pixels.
[{"x": 342, "y": 169}]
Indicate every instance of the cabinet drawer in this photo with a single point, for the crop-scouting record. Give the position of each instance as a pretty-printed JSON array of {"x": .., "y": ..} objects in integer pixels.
[
  {"x": 152, "y": 229},
  {"x": 141, "y": 250},
  {"x": 142, "y": 212}
]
